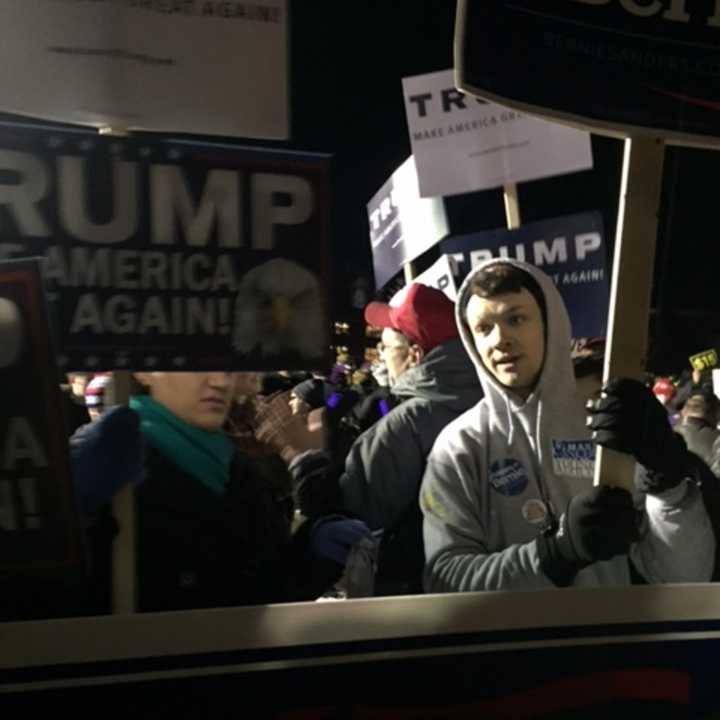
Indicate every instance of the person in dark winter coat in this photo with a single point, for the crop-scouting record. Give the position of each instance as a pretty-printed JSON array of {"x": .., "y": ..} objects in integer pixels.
[
  {"x": 699, "y": 428},
  {"x": 309, "y": 395},
  {"x": 690, "y": 382},
  {"x": 210, "y": 531},
  {"x": 332, "y": 405},
  {"x": 434, "y": 381}
]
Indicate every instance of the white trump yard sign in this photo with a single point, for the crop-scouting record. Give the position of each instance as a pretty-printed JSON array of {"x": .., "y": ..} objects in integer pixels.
[
  {"x": 196, "y": 66},
  {"x": 462, "y": 144}
]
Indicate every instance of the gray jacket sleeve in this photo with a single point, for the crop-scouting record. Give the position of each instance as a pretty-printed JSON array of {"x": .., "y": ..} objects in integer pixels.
[
  {"x": 715, "y": 458},
  {"x": 457, "y": 558},
  {"x": 383, "y": 469},
  {"x": 678, "y": 542}
]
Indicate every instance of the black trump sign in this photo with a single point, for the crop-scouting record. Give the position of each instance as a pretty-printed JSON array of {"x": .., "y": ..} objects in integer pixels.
[{"x": 169, "y": 255}]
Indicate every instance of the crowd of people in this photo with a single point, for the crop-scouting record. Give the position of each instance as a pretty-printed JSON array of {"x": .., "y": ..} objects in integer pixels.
[{"x": 462, "y": 460}]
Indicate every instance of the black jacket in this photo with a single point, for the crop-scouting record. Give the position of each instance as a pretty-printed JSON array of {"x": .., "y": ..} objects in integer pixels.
[
  {"x": 197, "y": 550},
  {"x": 381, "y": 477}
]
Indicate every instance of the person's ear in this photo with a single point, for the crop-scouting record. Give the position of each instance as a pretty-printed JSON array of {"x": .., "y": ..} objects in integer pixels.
[{"x": 416, "y": 354}]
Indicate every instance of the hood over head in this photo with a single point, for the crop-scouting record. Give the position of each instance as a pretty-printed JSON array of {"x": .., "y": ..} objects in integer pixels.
[
  {"x": 553, "y": 410},
  {"x": 557, "y": 365}
]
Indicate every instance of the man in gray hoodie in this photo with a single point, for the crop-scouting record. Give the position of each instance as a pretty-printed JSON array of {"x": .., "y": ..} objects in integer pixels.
[{"x": 507, "y": 494}]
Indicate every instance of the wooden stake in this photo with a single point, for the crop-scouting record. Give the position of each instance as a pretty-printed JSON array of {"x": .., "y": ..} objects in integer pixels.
[
  {"x": 124, "y": 590},
  {"x": 409, "y": 272},
  {"x": 512, "y": 206},
  {"x": 633, "y": 266}
]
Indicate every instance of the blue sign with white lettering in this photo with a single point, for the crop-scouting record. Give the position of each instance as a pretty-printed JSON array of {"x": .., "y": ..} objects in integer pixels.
[{"x": 570, "y": 249}]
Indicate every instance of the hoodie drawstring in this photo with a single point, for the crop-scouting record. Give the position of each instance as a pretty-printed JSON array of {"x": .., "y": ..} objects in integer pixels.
[{"x": 511, "y": 424}]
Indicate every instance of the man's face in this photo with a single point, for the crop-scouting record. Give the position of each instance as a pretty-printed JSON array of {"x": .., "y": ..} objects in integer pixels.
[
  {"x": 395, "y": 353},
  {"x": 510, "y": 337},
  {"x": 201, "y": 399}
]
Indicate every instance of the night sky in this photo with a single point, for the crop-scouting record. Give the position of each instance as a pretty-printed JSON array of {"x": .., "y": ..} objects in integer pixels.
[
  {"x": 346, "y": 66},
  {"x": 347, "y": 99}
]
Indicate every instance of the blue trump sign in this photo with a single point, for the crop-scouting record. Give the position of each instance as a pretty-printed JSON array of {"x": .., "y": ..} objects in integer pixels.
[{"x": 570, "y": 249}]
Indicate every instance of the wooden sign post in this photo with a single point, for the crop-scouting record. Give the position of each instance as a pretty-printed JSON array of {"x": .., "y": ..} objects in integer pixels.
[
  {"x": 610, "y": 95},
  {"x": 633, "y": 265},
  {"x": 512, "y": 206},
  {"x": 124, "y": 583},
  {"x": 408, "y": 272}
]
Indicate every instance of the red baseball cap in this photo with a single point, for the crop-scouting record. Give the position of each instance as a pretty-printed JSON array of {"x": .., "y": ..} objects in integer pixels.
[
  {"x": 426, "y": 316},
  {"x": 664, "y": 387},
  {"x": 95, "y": 390}
]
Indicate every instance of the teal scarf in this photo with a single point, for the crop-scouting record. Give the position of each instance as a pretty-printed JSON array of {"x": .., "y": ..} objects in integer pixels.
[{"x": 206, "y": 456}]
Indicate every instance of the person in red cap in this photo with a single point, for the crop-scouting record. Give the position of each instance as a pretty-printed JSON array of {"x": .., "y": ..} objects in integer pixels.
[
  {"x": 664, "y": 390},
  {"x": 95, "y": 392},
  {"x": 422, "y": 320},
  {"x": 434, "y": 382}
]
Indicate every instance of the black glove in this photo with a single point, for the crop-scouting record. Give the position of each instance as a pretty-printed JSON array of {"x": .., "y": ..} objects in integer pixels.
[
  {"x": 654, "y": 482},
  {"x": 597, "y": 525},
  {"x": 629, "y": 418},
  {"x": 333, "y": 537}
]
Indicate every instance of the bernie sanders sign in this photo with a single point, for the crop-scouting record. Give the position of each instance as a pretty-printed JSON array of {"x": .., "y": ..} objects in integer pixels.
[{"x": 615, "y": 65}]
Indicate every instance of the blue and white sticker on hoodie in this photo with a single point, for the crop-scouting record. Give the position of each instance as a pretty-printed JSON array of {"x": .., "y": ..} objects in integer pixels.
[
  {"x": 508, "y": 476},
  {"x": 575, "y": 458}
]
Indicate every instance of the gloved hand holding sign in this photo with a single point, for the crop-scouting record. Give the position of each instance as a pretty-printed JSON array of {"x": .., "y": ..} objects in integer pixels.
[{"x": 630, "y": 419}]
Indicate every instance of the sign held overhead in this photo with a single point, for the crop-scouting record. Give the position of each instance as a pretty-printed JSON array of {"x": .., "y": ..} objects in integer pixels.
[
  {"x": 621, "y": 67},
  {"x": 462, "y": 144}
]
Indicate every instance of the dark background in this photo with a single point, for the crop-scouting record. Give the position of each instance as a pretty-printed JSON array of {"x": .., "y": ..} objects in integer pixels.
[
  {"x": 346, "y": 71},
  {"x": 346, "y": 66}
]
